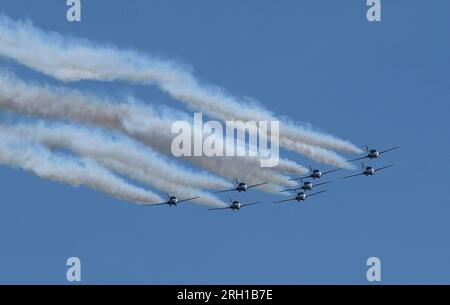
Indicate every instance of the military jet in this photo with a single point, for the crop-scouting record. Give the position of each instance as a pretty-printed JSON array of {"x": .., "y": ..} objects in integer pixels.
[
  {"x": 307, "y": 186},
  {"x": 368, "y": 171},
  {"x": 241, "y": 187},
  {"x": 373, "y": 153},
  {"x": 315, "y": 174},
  {"x": 235, "y": 205},
  {"x": 173, "y": 200},
  {"x": 301, "y": 196}
]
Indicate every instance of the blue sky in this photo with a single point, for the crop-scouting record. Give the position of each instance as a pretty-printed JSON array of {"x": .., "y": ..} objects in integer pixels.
[{"x": 319, "y": 62}]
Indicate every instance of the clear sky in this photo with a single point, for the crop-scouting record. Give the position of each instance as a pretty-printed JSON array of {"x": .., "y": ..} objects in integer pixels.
[{"x": 321, "y": 62}]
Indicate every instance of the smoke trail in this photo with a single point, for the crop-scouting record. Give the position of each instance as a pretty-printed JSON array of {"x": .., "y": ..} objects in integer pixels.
[
  {"x": 318, "y": 154},
  {"x": 291, "y": 167},
  {"x": 34, "y": 158},
  {"x": 175, "y": 189},
  {"x": 73, "y": 60},
  {"x": 135, "y": 120},
  {"x": 124, "y": 157},
  {"x": 98, "y": 145}
]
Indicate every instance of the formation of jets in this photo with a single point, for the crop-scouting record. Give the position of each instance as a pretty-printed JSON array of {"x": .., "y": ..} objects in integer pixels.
[
  {"x": 236, "y": 205},
  {"x": 301, "y": 191},
  {"x": 372, "y": 153},
  {"x": 173, "y": 200},
  {"x": 307, "y": 186},
  {"x": 368, "y": 171},
  {"x": 301, "y": 196},
  {"x": 241, "y": 187},
  {"x": 316, "y": 173}
]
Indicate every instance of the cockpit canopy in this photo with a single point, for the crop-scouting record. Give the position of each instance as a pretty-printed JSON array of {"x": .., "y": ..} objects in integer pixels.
[{"x": 241, "y": 184}]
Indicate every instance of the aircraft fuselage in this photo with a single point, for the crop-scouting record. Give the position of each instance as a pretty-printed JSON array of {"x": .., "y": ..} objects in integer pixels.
[
  {"x": 369, "y": 171},
  {"x": 300, "y": 196},
  {"x": 172, "y": 201},
  {"x": 373, "y": 154},
  {"x": 242, "y": 187},
  {"x": 316, "y": 174},
  {"x": 236, "y": 205},
  {"x": 307, "y": 186}
]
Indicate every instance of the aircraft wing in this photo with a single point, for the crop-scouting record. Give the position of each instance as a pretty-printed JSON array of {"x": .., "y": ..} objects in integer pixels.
[
  {"x": 300, "y": 178},
  {"x": 385, "y": 151},
  {"x": 285, "y": 200},
  {"x": 188, "y": 199},
  {"x": 352, "y": 176},
  {"x": 224, "y": 191},
  {"x": 316, "y": 193},
  {"x": 322, "y": 183},
  {"x": 249, "y": 186},
  {"x": 215, "y": 209},
  {"x": 332, "y": 170},
  {"x": 358, "y": 159},
  {"x": 289, "y": 190},
  {"x": 378, "y": 169},
  {"x": 251, "y": 203},
  {"x": 154, "y": 204}
]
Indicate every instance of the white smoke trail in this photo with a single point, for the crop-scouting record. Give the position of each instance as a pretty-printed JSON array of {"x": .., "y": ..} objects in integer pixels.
[
  {"x": 124, "y": 157},
  {"x": 38, "y": 160},
  {"x": 132, "y": 119},
  {"x": 318, "y": 154},
  {"x": 73, "y": 60},
  {"x": 290, "y": 167},
  {"x": 174, "y": 189}
]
